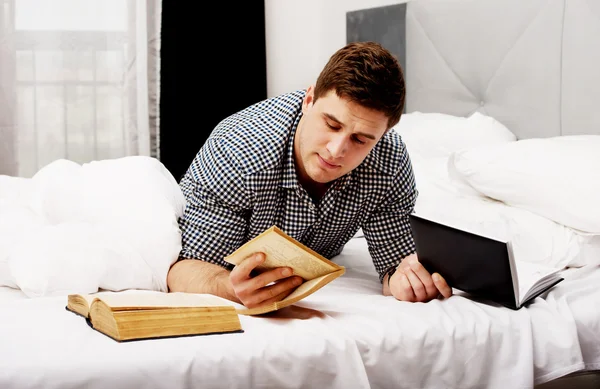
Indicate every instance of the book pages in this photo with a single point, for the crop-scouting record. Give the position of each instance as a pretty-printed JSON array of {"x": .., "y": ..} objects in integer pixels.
[
  {"x": 282, "y": 251},
  {"x": 148, "y": 300}
]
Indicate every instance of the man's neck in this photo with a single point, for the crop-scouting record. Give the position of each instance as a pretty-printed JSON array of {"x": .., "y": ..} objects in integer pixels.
[{"x": 316, "y": 191}]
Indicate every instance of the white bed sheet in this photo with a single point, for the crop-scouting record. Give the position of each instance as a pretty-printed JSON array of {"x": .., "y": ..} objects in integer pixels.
[
  {"x": 462, "y": 343},
  {"x": 45, "y": 346},
  {"x": 578, "y": 299},
  {"x": 346, "y": 335}
]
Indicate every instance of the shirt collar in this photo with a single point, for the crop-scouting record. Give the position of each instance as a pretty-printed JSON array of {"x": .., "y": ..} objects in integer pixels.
[{"x": 290, "y": 178}]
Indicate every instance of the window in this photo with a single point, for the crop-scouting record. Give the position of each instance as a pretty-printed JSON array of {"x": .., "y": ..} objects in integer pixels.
[{"x": 79, "y": 80}]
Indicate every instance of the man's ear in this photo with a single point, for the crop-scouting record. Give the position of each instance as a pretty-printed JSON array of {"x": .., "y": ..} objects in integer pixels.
[{"x": 308, "y": 99}]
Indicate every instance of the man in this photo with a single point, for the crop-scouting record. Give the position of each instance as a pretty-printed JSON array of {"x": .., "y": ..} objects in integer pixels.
[{"x": 319, "y": 164}]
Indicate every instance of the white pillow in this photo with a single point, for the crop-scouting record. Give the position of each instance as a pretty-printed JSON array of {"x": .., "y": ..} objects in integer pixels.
[
  {"x": 16, "y": 223},
  {"x": 535, "y": 238},
  {"x": 431, "y": 135},
  {"x": 16, "y": 219},
  {"x": 109, "y": 224},
  {"x": 557, "y": 178},
  {"x": 77, "y": 257}
]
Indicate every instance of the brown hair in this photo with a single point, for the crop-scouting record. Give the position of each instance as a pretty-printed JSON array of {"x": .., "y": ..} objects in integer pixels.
[{"x": 368, "y": 74}]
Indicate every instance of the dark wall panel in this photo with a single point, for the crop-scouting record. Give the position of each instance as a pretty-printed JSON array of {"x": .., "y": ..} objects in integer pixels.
[
  {"x": 212, "y": 65},
  {"x": 386, "y": 25}
]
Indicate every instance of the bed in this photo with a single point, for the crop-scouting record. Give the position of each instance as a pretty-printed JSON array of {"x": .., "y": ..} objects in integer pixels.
[{"x": 484, "y": 80}]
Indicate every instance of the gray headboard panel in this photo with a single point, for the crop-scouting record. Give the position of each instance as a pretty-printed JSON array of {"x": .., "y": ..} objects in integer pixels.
[
  {"x": 381, "y": 24},
  {"x": 531, "y": 64},
  {"x": 581, "y": 64}
]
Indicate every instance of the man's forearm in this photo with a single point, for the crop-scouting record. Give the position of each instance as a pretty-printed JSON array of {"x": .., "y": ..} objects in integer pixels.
[{"x": 196, "y": 276}]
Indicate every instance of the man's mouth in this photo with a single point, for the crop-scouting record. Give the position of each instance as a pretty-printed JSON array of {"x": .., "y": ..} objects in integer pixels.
[{"x": 327, "y": 164}]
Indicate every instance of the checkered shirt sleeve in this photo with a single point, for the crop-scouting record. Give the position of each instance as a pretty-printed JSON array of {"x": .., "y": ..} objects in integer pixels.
[
  {"x": 387, "y": 231},
  {"x": 214, "y": 223}
]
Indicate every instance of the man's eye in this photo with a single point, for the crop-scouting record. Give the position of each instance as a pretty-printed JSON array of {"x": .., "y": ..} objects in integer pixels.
[
  {"x": 332, "y": 126},
  {"x": 357, "y": 140}
]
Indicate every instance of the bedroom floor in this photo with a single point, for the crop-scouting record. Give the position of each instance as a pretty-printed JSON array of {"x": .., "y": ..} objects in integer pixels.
[{"x": 587, "y": 380}]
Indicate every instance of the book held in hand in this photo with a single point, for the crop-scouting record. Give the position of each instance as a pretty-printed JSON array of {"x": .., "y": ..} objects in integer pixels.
[
  {"x": 480, "y": 265},
  {"x": 281, "y": 250},
  {"x": 136, "y": 314}
]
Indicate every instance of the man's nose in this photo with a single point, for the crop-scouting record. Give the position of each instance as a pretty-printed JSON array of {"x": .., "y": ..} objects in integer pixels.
[{"x": 337, "y": 146}]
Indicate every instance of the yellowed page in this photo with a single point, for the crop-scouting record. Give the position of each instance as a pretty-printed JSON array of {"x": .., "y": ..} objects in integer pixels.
[
  {"x": 150, "y": 299},
  {"x": 79, "y": 303},
  {"x": 88, "y": 298},
  {"x": 280, "y": 251}
]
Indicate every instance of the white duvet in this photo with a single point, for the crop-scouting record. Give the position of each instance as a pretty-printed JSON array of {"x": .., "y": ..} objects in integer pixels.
[
  {"x": 347, "y": 335},
  {"x": 108, "y": 224}
]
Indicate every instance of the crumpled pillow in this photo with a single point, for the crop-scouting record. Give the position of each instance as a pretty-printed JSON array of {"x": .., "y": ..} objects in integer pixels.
[
  {"x": 437, "y": 135},
  {"x": 557, "y": 178},
  {"x": 534, "y": 238},
  {"x": 109, "y": 224}
]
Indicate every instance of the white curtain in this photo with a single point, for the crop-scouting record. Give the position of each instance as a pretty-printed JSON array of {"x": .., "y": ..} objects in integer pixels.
[{"x": 79, "y": 80}]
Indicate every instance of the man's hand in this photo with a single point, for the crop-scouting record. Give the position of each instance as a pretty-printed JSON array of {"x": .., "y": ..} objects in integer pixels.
[
  {"x": 267, "y": 287},
  {"x": 412, "y": 282}
]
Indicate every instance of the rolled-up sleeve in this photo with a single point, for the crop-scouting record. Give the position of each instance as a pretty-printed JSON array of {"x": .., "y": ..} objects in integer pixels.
[{"x": 214, "y": 222}]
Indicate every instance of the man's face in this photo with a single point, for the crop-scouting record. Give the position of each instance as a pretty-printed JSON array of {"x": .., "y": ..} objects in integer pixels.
[{"x": 333, "y": 137}]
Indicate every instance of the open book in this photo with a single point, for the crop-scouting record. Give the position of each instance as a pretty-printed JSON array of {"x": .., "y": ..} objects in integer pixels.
[
  {"x": 282, "y": 250},
  {"x": 480, "y": 265},
  {"x": 133, "y": 315}
]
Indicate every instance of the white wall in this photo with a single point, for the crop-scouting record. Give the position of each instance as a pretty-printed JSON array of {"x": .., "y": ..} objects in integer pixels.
[{"x": 301, "y": 35}]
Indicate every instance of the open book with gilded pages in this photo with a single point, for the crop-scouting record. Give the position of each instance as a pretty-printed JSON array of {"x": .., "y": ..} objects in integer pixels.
[{"x": 136, "y": 314}]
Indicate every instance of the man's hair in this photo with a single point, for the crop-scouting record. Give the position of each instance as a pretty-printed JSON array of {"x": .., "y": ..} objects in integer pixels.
[{"x": 367, "y": 74}]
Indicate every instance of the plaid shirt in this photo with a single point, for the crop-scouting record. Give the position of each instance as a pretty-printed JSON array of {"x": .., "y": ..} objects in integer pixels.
[{"x": 244, "y": 180}]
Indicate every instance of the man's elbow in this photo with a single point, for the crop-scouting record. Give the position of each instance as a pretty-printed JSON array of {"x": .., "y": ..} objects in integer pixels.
[{"x": 176, "y": 277}]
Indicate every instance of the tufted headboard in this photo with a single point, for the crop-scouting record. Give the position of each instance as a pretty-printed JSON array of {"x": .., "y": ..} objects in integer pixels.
[{"x": 534, "y": 65}]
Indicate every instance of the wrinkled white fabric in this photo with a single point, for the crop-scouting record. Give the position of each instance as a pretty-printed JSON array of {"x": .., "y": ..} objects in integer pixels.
[
  {"x": 109, "y": 224},
  {"x": 557, "y": 178},
  {"x": 294, "y": 348},
  {"x": 435, "y": 135},
  {"x": 347, "y": 334},
  {"x": 534, "y": 238},
  {"x": 463, "y": 342},
  {"x": 435, "y": 140}
]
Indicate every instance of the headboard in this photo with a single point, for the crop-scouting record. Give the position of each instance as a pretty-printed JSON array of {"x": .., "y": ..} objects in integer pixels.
[{"x": 531, "y": 64}]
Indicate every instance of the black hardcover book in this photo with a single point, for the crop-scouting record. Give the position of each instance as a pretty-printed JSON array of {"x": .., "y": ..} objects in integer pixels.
[{"x": 480, "y": 265}]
